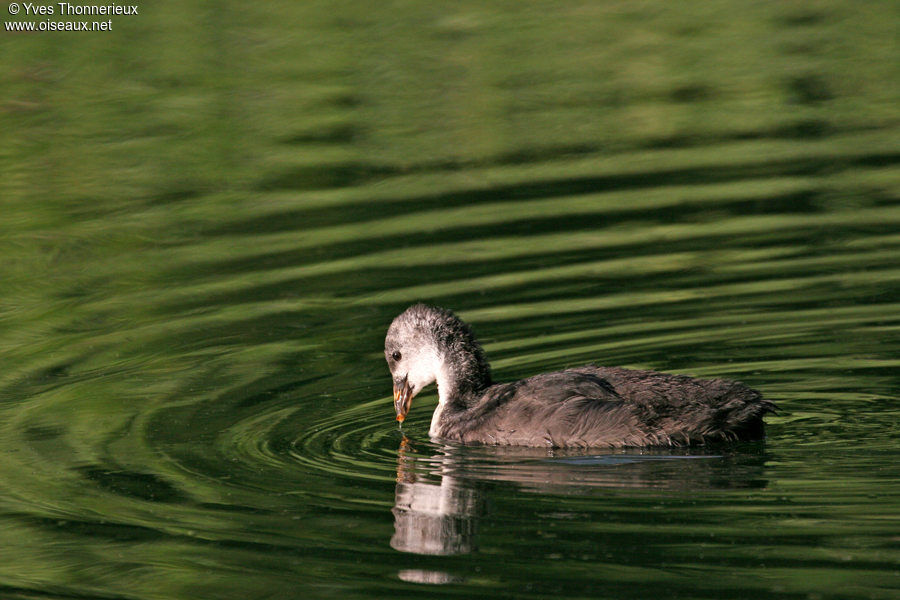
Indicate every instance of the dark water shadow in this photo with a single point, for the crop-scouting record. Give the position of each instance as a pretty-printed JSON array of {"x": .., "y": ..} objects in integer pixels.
[
  {"x": 440, "y": 499},
  {"x": 349, "y": 174}
]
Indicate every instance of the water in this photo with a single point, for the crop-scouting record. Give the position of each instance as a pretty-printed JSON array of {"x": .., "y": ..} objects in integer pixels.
[{"x": 211, "y": 215}]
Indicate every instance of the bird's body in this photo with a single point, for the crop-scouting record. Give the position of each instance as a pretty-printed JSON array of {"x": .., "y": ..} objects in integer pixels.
[{"x": 587, "y": 407}]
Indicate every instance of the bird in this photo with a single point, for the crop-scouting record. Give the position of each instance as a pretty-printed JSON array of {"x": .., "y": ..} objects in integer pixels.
[{"x": 584, "y": 407}]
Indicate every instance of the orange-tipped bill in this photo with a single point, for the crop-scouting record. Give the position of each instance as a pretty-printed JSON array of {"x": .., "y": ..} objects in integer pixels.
[{"x": 402, "y": 399}]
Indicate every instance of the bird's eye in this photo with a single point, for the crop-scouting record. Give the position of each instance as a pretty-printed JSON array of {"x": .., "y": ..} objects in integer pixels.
[{"x": 396, "y": 355}]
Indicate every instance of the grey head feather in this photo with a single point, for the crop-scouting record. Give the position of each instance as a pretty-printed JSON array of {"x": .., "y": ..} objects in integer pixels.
[{"x": 432, "y": 338}]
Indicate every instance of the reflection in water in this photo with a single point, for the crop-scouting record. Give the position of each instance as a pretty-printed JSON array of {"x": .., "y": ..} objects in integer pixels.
[
  {"x": 426, "y": 576},
  {"x": 432, "y": 518},
  {"x": 439, "y": 499},
  {"x": 674, "y": 469}
]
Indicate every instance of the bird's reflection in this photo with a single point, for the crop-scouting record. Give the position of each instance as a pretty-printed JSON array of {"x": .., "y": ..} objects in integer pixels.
[
  {"x": 439, "y": 499},
  {"x": 431, "y": 518}
]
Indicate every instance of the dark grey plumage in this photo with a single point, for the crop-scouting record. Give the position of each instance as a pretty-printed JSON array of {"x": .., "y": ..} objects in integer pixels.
[{"x": 588, "y": 406}]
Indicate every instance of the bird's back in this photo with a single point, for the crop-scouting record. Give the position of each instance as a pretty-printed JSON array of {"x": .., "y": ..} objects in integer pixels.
[{"x": 611, "y": 407}]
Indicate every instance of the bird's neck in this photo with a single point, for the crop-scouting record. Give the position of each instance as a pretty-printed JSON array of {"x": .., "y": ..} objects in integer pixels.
[{"x": 461, "y": 381}]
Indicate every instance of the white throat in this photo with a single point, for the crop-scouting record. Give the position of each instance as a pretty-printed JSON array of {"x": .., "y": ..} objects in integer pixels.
[{"x": 443, "y": 384}]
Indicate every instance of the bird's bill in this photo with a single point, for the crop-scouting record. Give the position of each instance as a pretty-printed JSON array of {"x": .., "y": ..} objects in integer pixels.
[{"x": 402, "y": 399}]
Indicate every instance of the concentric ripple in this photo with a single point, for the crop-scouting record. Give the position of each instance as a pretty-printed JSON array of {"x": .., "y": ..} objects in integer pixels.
[{"x": 360, "y": 443}]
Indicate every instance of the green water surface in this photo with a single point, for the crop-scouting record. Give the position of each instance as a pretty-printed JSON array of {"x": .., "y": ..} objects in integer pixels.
[{"x": 210, "y": 214}]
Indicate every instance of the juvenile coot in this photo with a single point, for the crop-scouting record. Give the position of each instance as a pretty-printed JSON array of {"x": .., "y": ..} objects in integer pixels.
[{"x": 587, "y": 406}]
